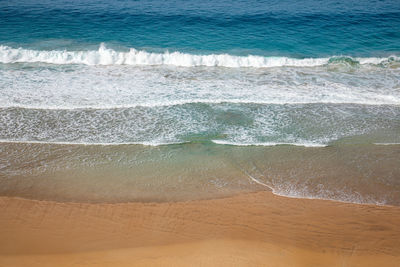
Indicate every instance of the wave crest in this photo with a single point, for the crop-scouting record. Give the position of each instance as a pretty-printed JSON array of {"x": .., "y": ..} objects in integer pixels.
[{"x": 106, "y": 56}]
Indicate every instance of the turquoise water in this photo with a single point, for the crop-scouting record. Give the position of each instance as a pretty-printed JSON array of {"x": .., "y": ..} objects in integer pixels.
[{"x": 231, "y": 82}]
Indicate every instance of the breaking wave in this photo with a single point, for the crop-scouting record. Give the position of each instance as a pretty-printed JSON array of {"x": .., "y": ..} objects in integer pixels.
[{"x": 107, "y": 56}]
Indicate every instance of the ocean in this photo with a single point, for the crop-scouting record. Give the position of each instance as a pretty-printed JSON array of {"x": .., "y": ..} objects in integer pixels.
[{"x": 117, "y": 101}]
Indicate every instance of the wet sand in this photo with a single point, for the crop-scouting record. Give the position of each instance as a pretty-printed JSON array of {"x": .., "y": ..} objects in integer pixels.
[{"x": 253, "y": 229}]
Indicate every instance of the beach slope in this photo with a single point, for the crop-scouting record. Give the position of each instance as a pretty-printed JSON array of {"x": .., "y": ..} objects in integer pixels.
[{"x": 253, "y": 229}]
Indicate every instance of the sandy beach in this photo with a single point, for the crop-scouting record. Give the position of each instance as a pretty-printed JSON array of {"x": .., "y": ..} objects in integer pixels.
[{"x": 253, "y": 229}]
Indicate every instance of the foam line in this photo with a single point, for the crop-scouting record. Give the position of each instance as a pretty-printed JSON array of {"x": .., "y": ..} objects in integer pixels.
[
  {"x": 186, "y": 102},
  {"x": 83, "y": 143},
  {"x": 222, "y": 142},
  {"x": 386, "y": 144}
]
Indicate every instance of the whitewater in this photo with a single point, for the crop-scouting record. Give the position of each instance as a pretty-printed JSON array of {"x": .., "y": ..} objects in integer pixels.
[
  {"x": 106, "y": 96},
  {"x": 107, "y": 56}
]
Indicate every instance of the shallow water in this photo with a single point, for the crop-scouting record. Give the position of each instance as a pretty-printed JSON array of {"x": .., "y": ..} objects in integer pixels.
[{"x": 122, "y": 173}]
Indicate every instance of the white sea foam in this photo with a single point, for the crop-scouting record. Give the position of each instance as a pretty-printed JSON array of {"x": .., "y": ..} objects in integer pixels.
[
  {"x": 220, "y": 142},
  {"x": 116, "y": 87},
  {"x": 304, "y": 144},
  {"x": 343, "y": 198},
  {"x": 87, "y": 143},
  {"x": 106, "y": 56},
  {"x": 179, "y": 103},
  {"x": 67, "y": 87},
  {"x": 386, "y": 144},
  {"x": 162, "y": 105}
]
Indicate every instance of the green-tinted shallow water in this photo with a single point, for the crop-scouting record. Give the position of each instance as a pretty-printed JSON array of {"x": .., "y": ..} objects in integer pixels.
[{"x": 121, "y": 173}]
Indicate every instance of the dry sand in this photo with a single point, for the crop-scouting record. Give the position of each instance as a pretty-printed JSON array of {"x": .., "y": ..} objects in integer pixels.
[{"x": 254, "y": 229}]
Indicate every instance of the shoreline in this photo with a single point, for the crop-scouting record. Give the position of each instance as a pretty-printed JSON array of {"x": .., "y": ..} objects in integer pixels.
[
  {"x": 347, "y": 173},
  {"x": 258, "y": 226},
  {"x": 262, "y": 188}
]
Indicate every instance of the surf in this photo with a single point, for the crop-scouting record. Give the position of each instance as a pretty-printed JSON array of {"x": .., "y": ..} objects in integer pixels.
[{"x": 106, "y": 56}]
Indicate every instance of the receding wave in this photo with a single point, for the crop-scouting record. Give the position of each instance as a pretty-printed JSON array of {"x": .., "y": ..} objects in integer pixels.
[
  {"x": 386, "y": 144},
  {"x": 187, "y": 102},
  {"x": 106, "y": 56},
  {"x": 87, "y": 143},
  {"x": 219, "y": 142},
  {"x": 304, "y": 144}
]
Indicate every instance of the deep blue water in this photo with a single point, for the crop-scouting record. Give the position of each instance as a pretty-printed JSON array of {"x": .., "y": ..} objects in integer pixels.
[{"x": 307, "y": 28}]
